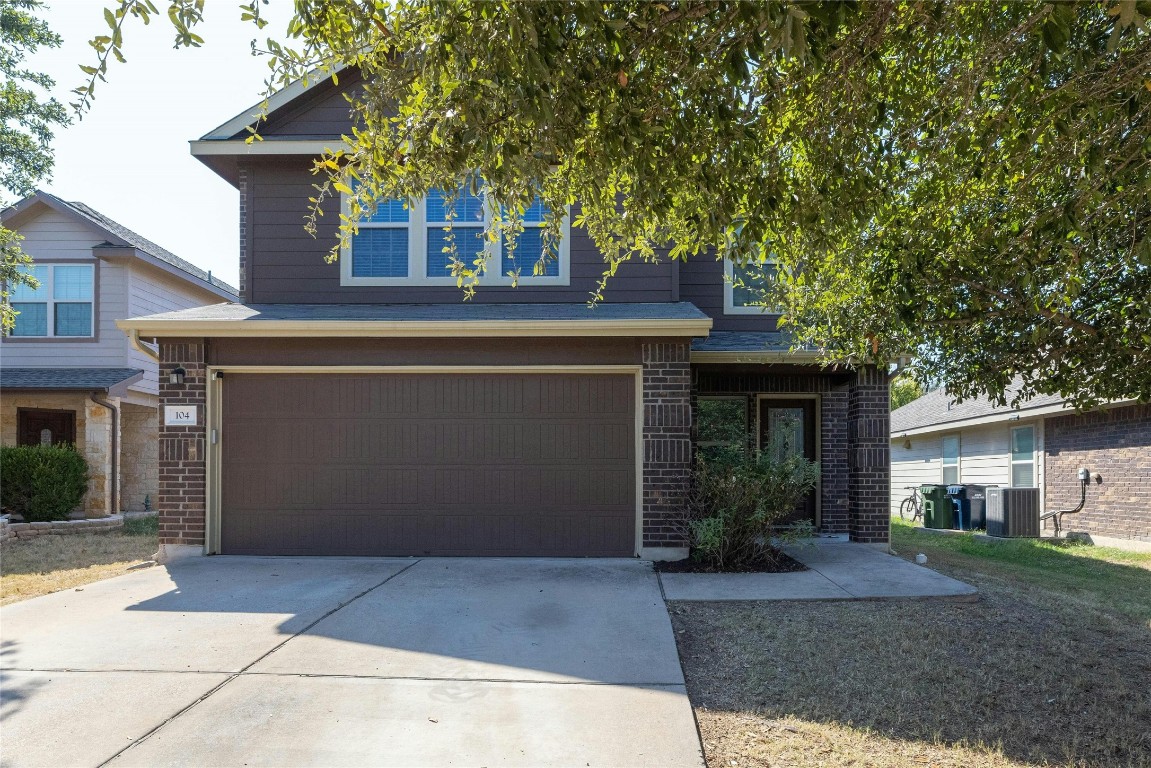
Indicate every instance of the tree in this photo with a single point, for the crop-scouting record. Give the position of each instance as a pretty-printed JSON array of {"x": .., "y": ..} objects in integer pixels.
[
  {"x": 904, "y": 389},
  {"x": 968, "y": 182},
  {"x": 27, "y": 120}
]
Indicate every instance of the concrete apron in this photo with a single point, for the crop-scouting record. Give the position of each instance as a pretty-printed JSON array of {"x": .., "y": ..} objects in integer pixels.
[
  {"x": 838, "y": 570},
  {"x": 270, "y": 661}
]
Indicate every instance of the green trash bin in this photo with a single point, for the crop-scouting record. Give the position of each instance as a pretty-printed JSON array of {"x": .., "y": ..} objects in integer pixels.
[{"x": 938, "y": 511}]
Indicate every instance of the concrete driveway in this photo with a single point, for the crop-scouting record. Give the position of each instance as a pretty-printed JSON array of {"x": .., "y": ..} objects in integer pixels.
[{"x": 332, "y": 662}]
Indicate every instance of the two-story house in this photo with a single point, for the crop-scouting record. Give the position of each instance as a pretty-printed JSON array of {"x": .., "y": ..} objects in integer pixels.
[
  {"x": 363, "y": 408},
  {"x": 67, "y": 373}
]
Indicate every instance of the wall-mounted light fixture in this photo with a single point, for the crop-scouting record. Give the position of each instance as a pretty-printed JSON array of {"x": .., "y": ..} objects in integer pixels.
[{"x": 177, "y": 375}]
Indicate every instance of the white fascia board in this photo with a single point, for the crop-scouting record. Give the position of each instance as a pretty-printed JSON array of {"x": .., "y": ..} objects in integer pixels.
[
  {"x": 239, "y": 147},
  {"x": 412, "y": 328},
  {"x": 1012, "y": 415}
]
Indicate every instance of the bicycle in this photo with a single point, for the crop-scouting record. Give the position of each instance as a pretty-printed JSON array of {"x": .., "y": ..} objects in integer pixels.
[{"x": 911, "y": 508}]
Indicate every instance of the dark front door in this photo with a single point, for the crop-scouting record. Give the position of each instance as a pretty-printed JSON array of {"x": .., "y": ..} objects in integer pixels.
[
  {"x": 787, "y": 427},
  {"x": 43, "y": 427}
]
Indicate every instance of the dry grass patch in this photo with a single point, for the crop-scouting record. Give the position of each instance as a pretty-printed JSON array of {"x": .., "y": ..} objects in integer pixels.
[
  {"x": 1027, "y": 675},
  {"x": 49, "y": 564}
]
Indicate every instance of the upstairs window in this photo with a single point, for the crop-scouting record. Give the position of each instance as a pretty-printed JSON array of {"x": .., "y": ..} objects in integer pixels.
[
  {"x": 407, "y": 243},
  {"x": 63, "y": 305},
  {"x": 743, "y": 287}
]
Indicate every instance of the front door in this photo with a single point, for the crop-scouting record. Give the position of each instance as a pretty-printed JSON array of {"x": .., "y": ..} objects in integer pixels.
[
  {"x": 44, "y": 427},
  {"x": 787, "y": 427}
]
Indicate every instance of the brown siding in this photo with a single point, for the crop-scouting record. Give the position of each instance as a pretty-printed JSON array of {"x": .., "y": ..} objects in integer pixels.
[
  {"x": 701, "y": 283},
  {"x": 1114, "y": 443},
  {"x": 322, "y": 113},
  {"x": 288, "y": 265},
  {"x": 430, "y": 351}
]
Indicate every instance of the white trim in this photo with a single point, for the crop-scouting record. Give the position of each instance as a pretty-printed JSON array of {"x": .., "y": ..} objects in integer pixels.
[
  {"x": 418, "y": 226},
  {"x": 943, "y": 465},
  {"x": 729, "y": 307},
  {"x": 214, "y": 408},
  {"x": 150, "y": 327},
  {"x": 952, "y": 426},
  {"x": 268, "y": 146},
  {"x": 48, "y": 285},
  {"x": 1011, "y": 462},
  {"x": 280, "y": 98}
]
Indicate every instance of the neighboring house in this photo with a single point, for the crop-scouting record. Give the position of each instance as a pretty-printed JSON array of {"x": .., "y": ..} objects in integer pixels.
[
  {"x": 363, "y": 408},
  {"x": 1041, "y": 444},
  {"x": 67, "y": 373}
]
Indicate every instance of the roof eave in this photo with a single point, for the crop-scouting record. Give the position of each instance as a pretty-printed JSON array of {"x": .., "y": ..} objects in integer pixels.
[{"x": 764, "y": 356}]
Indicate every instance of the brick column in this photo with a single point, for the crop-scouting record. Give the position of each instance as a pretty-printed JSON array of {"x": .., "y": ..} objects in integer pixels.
[
  {"x": 666, "y": 438},
  {"x": 834, "y": 502},
  {"x": 869, "y": 456},
  {"x": 181, "y": 503}
]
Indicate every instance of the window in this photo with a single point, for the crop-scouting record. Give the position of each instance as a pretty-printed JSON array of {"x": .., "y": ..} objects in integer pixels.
[
  {"x": 721, "y": 425},
  {"x": 743, "y": 286},
  {"x": 1023, "y": 457},
  {"x": 406, "y": 243},
  {"x": 61, "y": 307},
  {"x": 950, "y": 459}
]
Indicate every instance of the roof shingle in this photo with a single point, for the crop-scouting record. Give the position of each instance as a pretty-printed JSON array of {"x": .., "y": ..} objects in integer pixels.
[{"x": 67, "y": 378}]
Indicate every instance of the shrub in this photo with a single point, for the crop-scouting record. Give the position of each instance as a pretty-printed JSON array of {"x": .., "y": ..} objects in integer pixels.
[
  {"x": 735, "y": 501},
  {"x": 42, "y": 482}
]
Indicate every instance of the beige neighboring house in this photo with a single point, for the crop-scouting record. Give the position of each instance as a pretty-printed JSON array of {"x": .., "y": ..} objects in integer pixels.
[{"x": 67, "y": 373}]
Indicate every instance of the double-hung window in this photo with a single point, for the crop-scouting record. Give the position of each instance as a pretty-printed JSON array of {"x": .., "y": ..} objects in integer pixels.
[
  {"x": 61, "y": 307},
  {"x": 1023, "y": 457},
  {"x": 721, "y": 426},
  {"x": 406, "y": 243},
  {"x": 950, "y": 460},
  {"x": 743, "y": 287}
]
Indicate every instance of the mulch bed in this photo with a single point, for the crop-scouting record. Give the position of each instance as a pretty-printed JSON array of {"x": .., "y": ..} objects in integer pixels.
[{"x": 778, "y": 563}]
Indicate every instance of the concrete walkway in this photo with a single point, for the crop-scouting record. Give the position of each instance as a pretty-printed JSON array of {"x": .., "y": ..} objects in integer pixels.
[
  {"x": 349, "y": 662},
  {"x": 839, "y": 570}
]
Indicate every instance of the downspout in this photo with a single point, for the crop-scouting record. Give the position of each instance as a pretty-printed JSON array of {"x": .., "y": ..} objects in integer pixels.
[
  {"x": 134, "y": 340},
  {"x": 114, "y": 448}
]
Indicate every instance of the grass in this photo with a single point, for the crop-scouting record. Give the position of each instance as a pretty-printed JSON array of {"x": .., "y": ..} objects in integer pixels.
[
  {"x": 1049, "y": 667},
  {"x": 47, "y": 564}
]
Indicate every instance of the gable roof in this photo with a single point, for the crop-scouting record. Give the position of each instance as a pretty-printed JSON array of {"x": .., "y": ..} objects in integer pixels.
[
  {"x": 937, "y": 409},
  {"x": 119, "y": 235}
]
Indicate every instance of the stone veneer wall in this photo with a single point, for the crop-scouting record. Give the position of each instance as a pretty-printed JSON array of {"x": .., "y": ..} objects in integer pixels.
[
  {"x": 1114, "y": 443},
  {"x": 139, "y": 456},
  {"x": 869, "y": 455},
  {"x": 183, "y": 473},
  {"x": 833, "y": 399},
  {"x": 666, "y": 439}
]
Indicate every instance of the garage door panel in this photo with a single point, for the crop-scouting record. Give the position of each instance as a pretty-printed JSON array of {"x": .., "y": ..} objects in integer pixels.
[{"x": 438, "y": 464}]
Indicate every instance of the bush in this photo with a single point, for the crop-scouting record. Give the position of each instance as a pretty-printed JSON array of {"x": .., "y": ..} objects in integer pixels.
[
  {"x": 735, "y": 501},
  {"x": 42, "y": 482}
]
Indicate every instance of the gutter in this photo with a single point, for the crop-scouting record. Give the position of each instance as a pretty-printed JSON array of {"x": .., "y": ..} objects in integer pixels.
[{"x": 114, "y": 448}]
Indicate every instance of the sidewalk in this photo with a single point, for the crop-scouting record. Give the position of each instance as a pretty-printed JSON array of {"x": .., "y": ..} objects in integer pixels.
[{"x": 838, "y": 570}]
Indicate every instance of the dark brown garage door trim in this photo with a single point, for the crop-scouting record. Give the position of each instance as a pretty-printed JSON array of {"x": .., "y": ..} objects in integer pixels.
[{"x": 212, "y": 538}]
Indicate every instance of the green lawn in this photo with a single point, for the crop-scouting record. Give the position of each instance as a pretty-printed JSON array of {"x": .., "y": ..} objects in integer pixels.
[{"x": 1100, "y": 578}]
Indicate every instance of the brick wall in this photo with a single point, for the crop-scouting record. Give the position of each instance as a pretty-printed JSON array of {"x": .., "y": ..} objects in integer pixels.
[
  {"x": 666, "y": 438},
  {"x": 1115, "y": 443},
  {"x": 242, "y": 184},
  {"x": 833, "y": 399},
  {"x": 869, "y": 455},
  {"x": 181, "y": 504}
]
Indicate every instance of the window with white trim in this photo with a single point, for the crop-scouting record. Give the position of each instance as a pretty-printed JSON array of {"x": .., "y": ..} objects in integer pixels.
[
  {"x": 1023, "y": 457},
  {"x": 408, "y": 244},
  {"x": 61, "y": 307},
  {"x": 743, "y": 287},
  {"x": 950, "y": 453}
]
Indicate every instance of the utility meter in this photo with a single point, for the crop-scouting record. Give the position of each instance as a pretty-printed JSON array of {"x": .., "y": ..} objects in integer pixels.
[{"x": 1084, "y": 475}]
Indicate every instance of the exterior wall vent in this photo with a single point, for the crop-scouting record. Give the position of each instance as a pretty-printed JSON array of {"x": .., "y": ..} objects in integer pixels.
[{"x": 1013, "y": 512}]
